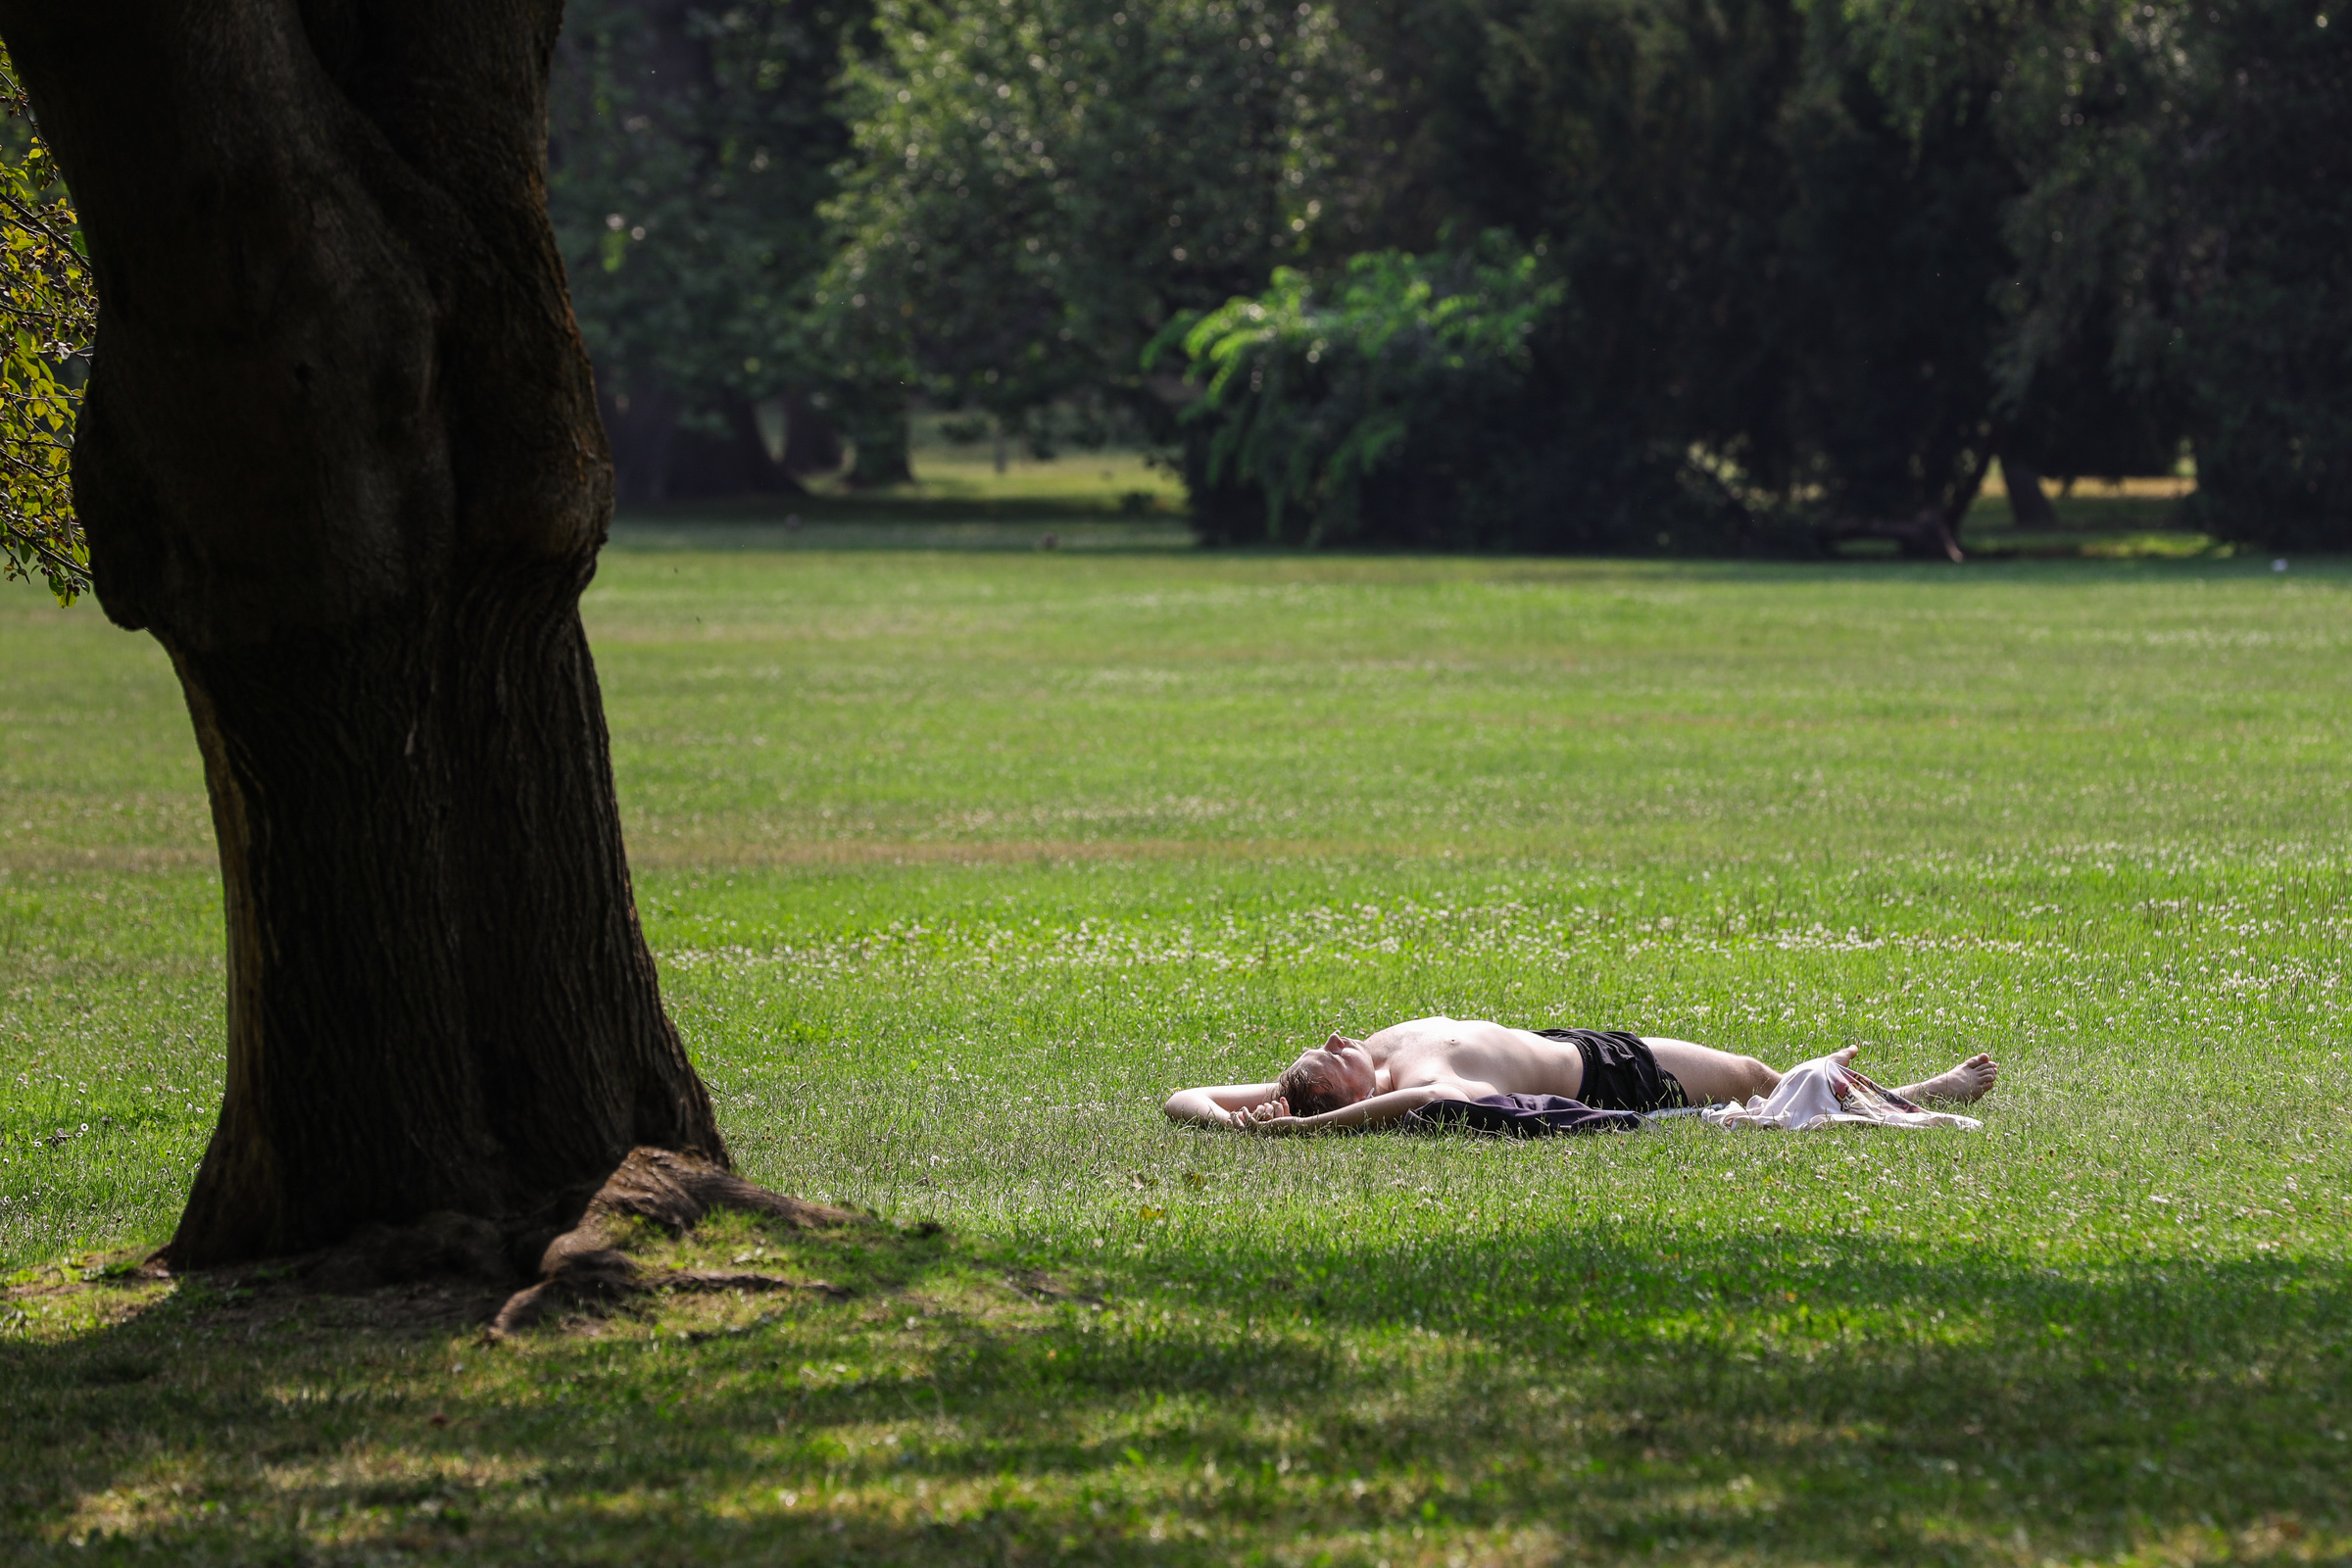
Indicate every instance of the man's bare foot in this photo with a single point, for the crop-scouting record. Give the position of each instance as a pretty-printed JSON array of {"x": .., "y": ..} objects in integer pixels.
[{"x": 1971, "y": 1080}]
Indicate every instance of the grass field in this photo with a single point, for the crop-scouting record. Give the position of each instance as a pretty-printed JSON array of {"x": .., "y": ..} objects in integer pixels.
[{"x": 959, "y": 861}]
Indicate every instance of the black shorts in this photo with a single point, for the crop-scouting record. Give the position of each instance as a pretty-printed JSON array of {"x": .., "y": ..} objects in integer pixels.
[{"x": 1621, "y": 1073}]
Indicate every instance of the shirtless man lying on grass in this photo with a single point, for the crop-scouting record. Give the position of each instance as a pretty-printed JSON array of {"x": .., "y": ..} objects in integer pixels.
[{"x": 1387, "y": 1076}]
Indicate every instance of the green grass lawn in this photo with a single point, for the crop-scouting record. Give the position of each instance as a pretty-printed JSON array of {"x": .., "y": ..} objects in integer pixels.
[{"x": 959, "y": 861}]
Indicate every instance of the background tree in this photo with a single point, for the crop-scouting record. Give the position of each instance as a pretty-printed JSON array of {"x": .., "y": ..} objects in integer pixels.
[
  {"x": 2265, "y": 358},
  {"x": 1891, "y": 253},
  {"x": 1041, "y": 184},
  {"x": 1814, "y": 261},
  {"x": 1637, "y": 143},
  {"x": 46, "y": 300},
  {"x": 1788, "y": 249},
  {"x": 340, "y": 455},
  {"x": 691, "y": 146},
  {"x": 1308, "y": 395},
  {"x": 2191, "y": 218},
  {"x": 1633, "y": 148}
]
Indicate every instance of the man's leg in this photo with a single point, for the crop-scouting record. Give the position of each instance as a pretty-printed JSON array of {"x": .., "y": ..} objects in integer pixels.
[
  {"x": 1972, "y": 1080},
  {"x": 1710, "y": 1077}
]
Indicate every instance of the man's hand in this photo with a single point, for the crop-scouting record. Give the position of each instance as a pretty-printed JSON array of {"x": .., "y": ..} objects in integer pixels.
[
  {"x": 1279, "y": 1126},
  {"x": 1272, "y": 1118}
]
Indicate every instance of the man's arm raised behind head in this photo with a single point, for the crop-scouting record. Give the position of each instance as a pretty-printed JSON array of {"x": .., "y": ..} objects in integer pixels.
[
  {"x": 1377, "y": 1112},
  {"x": 1214, "y": 1107}
]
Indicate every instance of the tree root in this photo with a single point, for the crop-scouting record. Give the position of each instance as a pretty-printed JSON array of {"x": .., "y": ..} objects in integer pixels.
[
  {"x": 1931, "y": 534},
  {"x": 675, "y": 1191}
]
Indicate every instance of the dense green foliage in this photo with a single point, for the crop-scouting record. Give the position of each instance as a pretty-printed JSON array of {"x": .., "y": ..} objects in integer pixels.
[
  {"x": 48, "y": 309},
  {"x": 689, "y": 151},
  {"x": 1778, "y": 236},
  {"x": 2266, "y": 360},
  {"x": 1403, "y": 403},
  {"x": 957, "y": 863},
  {"x": 1804, "y": 263},
  {"x": 2193, "y": 209},
  {"x": 1810, "y": 262},
  {"x": 1042, "y": 184}
]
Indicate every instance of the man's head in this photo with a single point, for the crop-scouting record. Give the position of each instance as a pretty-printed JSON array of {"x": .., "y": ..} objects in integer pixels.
[{"x": 1335, "y": 1074}]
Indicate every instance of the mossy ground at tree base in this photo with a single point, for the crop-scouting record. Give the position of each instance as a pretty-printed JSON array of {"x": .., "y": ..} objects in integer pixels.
[{"x": 958, "y": 862}]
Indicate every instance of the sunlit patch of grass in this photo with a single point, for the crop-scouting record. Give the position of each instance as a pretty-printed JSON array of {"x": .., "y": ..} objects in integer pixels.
[
  {"x": 1111, "y": 497},
  {"x": 1106, "y": 477}
]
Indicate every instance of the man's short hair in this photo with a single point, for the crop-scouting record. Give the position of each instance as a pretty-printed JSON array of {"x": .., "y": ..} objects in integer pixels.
[{"x": 1311, "y": 1084}]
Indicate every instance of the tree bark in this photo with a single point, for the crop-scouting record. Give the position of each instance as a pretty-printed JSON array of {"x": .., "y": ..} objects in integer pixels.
[{"x": 340, "y": 455}]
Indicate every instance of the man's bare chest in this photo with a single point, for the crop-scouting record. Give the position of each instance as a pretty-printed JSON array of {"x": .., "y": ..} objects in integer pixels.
[{"x": 1507, "y": 1059}]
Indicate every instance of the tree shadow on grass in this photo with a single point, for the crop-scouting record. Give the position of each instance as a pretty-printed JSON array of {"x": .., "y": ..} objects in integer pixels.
[{"x": 1558, "y": 1392}]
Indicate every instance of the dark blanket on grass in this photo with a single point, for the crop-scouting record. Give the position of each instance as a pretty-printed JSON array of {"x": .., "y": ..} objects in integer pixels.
[{"x": 1521, "y": 1116}]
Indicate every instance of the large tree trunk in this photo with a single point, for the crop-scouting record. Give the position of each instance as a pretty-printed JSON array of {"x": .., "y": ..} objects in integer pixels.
[{"x": 341, "y": 456}]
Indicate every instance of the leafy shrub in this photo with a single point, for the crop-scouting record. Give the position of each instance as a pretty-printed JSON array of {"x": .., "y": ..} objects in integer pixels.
[{"x": 1418, "y": 401}]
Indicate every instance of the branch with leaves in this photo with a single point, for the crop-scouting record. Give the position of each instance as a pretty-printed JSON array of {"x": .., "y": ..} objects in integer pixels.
[
  {"x": 1310, "y": 394},
  {"x": 48, "y": 312}
]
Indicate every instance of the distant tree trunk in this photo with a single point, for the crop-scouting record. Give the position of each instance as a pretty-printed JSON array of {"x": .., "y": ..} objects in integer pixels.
[
  {"x": 642, "y": 425},
  {"x": 812, "y": 445},
  {"x": 876, "y": 425},
  {"x": 1932, "y": 532},
  {"x": 341, "y": 457},
  {"x": 735, "y": 464},
  {"x": 659, "y": 456},
  {"x": 2028, "y": 503}
]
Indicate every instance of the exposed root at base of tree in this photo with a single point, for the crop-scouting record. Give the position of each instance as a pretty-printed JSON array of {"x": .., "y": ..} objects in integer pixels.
[
  {"x": 674, "y": 1191},
  {"x": 583, "y": 1265}
]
